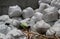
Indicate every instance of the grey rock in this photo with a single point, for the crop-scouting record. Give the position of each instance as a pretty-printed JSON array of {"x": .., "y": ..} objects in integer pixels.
[
  {"x": 37, "y": 17},
  {"x": 15, "y": 34},
  {"x": 28, "y": 12},
  {"x": 55, "y": 3},
  {"x": 4, "y": 29},
  {"x": 42, "y": 6},
  {"x": 59, "y": 13},
  {"x": 14, "y": 11},
  {"x": 54, "y": 30},
  {"x": 50, "y": 14},
  {"x": 41, "y": 26},
  {"x": 13, "y": 22},
  {"x": 45, "y": 1},
  {"x": 4, "y": 18},
  {"x": 17, "y": 18},
  {"x": 2, "y": 36}
]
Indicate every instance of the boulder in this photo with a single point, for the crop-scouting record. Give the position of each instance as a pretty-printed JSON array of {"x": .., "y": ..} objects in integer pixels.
[
  {"x": 37, "y": 17},
  {"x": 41, "y": 27},
  {"x": 15, "y": 34},
  {"x": 55, "y": 3},
  {"x": 2, "y": 36},
  {"x": 44, "y": 1},
  {"x": 4, "y": 18},
  {"x": 28, "y": 12},
  {"x": 4, "y": 29},
  {"x": 14, "y": 11},
  {"x": 55, "y": 30},
  {"x": 17, "y": 18},
  {"x": 50, "y": 14},
  {"x": 42, "y": 6},
  {"x": 13, "y": 22}
]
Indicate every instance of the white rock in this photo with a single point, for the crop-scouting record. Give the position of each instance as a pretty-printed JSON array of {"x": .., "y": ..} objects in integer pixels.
[
  {"x": 17, "y": 18},
  {"x": 15, "y": 34},
  {"x": 55, "y": 3},
  {"x": 37, "y": 17},
  {"x": 13, "y": 22},
  {"x": 58, "y": 21},
  {"x": 4, "y": 29},
  {"x": 54, "y": 30},
  {"x": 4, "y": 18},
  {"x": 25, "y": 20},
  {"x": 42, "y": 6},
  {"x": 45, "y": 1},
  {"x": 2, "y": 36},
  {"x": 32, "y": 21},
  {"x": 14, "y": 11},
  {"x": 50, "y": 14},
  {"x": 28, "y": 12},
  {"x": 41, "y": 26}
]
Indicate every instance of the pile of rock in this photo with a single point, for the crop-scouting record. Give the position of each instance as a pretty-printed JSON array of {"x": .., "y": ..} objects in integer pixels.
[{"x": 44, "y": 20}]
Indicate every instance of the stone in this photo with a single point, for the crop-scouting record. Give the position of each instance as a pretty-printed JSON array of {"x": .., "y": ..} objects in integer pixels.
[
  {"x": 42, "y": 6},
  {"x": 50, "y": 14},
  {"x": 2, "y": 36},
  {"x": 41, "y": 26},
  {"x": 17, "y": 18},
  {"x": 13, "y": 22},
  {"x": 44, "y": 1},
  {"x": 15, "y": 34},
  {"x": 37, "y": 17},
  {"x": 28, "y": 12},
  {"x": 55, "y": 3},
  {"x": 32, "y": 21},
  {"x": 4, "y": 29},
  {"x": 14, "y": 11},
  {"x": 55, "y": 30},
  {"x": 4, "y": 18},
  {"x": 59, "y": 13}
]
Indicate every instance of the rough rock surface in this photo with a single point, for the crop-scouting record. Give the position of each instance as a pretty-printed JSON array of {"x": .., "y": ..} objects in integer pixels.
[
  {"x": 28, "y": 12},
  {"x": 15, "y": 34},
  {"x": 41, "y": 26},
  {"x": 14, "y": 11},
  {"x": 50, "y": 14}
]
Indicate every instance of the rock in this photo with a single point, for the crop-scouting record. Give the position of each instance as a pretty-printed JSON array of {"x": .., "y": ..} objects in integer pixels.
[
  {"x": 15, "y": 34},
  {"x": 37, "y": 17},
  {"x": 13, "y": 22},
  {"x": 28, "y": 12},
  {"x": 51, "y": 23},
  {"x": 14, "y": 11},
  {"x": 41, "y": 27},
  {"x": 42, "y": 6},
  {"x": 59, "y": 13},
  {"x": 2, "y": 36},
  {"x": 4, "y": 29},
  {"x": 32, "y": 21},
  {"x": 17, "y": 18},
  {"x": 55, "y": 3},
  {"x": 4, "y": 18},
  {"x": 45, "y": 1},
  {"x": 25, "y": 20},
  {"x": 54, "y": 30},
  {"x": 50, "y": 14}
]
